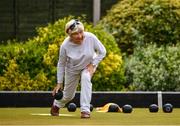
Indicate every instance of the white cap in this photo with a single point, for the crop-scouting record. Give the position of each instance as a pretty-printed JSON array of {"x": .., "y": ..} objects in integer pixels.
[{"x": 74, "y": 26}]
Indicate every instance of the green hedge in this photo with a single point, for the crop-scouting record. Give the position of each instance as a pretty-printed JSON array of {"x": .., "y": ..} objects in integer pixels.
[
  {"x": 32, "y": 65},
  {"x": 136, "y": 22},
  {"x": 154, "y": 68}
]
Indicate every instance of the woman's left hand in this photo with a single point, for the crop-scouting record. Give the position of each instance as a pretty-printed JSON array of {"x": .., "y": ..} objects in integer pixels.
[{"x": 91, "y": 69}]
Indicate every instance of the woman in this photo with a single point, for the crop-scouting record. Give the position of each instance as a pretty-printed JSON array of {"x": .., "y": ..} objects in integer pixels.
[{"x": 79, "y": 56}]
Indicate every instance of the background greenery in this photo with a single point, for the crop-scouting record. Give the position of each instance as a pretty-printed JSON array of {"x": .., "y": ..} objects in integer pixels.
[
  {"x": 148, "y": 34},
  {"x": 154, "y": 68},
  {"x": 136, "y": 22}
]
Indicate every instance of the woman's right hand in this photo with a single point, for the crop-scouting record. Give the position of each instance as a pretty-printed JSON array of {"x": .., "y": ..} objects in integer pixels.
[{"x": 57, "y": 88}]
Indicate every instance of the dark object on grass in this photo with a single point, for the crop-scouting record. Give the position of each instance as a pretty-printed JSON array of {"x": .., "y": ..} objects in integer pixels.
[
  {"x": 91, "y": 107},
  {"x": 113, "y": 108},
  {"x": 127, "y": 108},
  {"x": 153, "y": 108},
  {"x": 71, "y": 107},
  {"x": 167, "y": 108}
]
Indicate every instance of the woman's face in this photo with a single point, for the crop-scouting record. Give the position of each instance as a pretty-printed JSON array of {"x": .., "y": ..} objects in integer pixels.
[{"x": 77, "y": 37}]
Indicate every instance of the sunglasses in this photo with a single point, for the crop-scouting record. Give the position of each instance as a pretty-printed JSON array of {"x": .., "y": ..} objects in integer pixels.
[{"x": 71, "y": 27}]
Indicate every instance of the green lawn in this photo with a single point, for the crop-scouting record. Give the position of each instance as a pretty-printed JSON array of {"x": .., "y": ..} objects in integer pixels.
[{"x": 30, "y": 116}]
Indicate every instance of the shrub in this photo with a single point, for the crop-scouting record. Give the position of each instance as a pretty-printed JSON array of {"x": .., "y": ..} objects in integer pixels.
[
  {"x": 154, "y": 68},
  {"x": 32, "y": 65},
  {"x": 22, "y": 68},
  {"x": 136, "y": 22}
]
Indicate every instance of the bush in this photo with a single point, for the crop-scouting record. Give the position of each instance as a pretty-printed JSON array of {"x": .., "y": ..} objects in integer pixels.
[
  {"x": 136, "y": 22},
  {"x": 154, "y": 68},
  {"x": 32, "y": 65},
  {"x": 21, "y": 67}
]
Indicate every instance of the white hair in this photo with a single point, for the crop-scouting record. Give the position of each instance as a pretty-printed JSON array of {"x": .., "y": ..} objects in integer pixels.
[{"x": 74, "y": 26}]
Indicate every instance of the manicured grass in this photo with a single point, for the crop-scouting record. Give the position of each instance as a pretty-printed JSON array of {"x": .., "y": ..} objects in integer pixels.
[{"x": 29, "y": 116}]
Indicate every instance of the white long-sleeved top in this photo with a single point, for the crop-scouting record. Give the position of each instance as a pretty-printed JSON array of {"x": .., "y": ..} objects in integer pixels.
[{"x": 75, "y": 57}]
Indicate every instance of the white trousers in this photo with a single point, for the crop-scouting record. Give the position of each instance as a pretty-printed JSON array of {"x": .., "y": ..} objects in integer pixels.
[{"x": 71, "y": 83}]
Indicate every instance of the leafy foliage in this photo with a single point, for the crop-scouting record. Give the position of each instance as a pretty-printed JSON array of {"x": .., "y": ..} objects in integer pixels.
[
  {"x": 154, "y": 68},
  {"x": 137, "y": 22}
]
